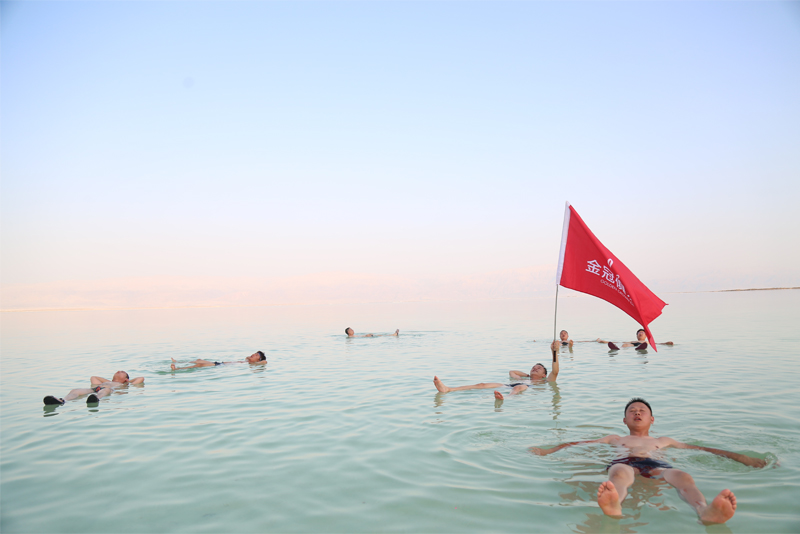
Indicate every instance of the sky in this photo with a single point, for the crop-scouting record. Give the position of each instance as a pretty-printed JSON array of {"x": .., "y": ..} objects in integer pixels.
[{"x": 391, "y": 150}]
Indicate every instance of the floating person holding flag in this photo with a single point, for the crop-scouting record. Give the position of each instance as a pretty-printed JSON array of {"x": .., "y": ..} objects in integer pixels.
[{"x": 586, "y": 265}]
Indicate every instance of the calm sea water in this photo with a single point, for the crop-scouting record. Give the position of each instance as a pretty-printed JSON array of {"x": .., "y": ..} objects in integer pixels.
[{"x": 338, "y": 435}]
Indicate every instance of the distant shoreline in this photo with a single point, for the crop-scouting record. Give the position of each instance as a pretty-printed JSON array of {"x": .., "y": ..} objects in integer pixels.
[
  {"x": 20, "y": 310},
  {"x": 753, "y": 289}
]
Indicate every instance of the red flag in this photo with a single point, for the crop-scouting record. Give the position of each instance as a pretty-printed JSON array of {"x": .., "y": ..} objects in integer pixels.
[{"x": 587, "y": 266}]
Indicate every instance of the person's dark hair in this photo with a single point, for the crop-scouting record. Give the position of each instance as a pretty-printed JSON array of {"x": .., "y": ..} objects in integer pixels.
[
  {"x": 346, "y": 329},
  {"x": 127, "y": 375},
  {"x": 543, "y": 367},
  {"x": 640, "y": 330},
  {"x": 564, "y": 332},
  {"x": 263, "y": 358},
  {"x": 638, "y": 399}
]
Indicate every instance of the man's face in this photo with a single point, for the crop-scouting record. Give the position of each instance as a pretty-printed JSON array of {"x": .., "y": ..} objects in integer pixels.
[
  {"x": 638, "y": 416},
  {"x": 349, "y": 331},
  {"x": 254, "y": 358},
  {"x": 641, "y": 336},
  {"x": 537, "y": 371},
  {"x": 120, "y": 376},
  {"x": 564, "y": 335}
]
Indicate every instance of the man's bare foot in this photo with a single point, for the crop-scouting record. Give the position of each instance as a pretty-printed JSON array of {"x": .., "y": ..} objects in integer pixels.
[
  {"x": 396, "y": 332},
  {"x": 721, "y": 508},
  {"x": 608, "y": 499},
  {"x": 441, "y": 387},
  {"x": 498, "y": 395}
]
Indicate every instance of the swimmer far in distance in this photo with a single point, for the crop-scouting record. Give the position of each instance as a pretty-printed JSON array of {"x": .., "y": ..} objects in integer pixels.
[
  {"x": 351, "y": 333},
  {"x": 257, "y": 358}
]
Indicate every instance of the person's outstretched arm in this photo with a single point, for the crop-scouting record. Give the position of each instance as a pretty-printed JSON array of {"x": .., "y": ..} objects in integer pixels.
[
  {"x": 97, "y": 380},
  {"x": 554, "y": 372},
  {"x": 741, "y": 458},
  {"x": 138, "y": 380},
  {"x": 544, "y": 452}
]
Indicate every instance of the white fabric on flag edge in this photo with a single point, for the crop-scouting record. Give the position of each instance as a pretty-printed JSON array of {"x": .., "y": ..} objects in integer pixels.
[{"x": 564, "y": 233}]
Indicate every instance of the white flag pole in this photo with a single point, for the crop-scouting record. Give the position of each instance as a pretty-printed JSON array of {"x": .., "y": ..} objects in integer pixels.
[{"x": 564, "y": 233}]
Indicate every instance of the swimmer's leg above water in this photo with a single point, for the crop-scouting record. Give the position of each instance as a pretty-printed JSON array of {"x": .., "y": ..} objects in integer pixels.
[
  {"x": 516, "y": 390},
  {"x": 197, "y": 363},
  {"x": 483, "y": 385}
]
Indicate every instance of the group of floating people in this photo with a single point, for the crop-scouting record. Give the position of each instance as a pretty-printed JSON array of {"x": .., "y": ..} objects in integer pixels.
[
  {"x": 640, "y": 445},
  {"x": 638, "y": 417}
]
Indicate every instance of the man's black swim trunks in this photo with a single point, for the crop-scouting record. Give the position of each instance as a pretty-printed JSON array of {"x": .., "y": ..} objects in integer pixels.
[
  {"x": 517, "y": 384},
  {"x": 217, "y": 363},
  {"x": 644, "y": 465},
  {"x": 98, "y": 388}
]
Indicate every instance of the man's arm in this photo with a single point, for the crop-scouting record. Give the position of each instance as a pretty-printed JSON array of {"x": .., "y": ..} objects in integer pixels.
[
  {"x": 138, "y": 380},
  {"x": 544, "y": 452},
  {"x": 97, "y": 380},
  {"x": 741, "y": 458},
  {"x": 518, "y": 374},
  {"x": 554, "y": 372}
]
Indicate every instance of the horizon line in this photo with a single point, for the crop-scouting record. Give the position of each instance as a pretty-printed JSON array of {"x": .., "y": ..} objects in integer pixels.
[{"x": 26, "y": 310}]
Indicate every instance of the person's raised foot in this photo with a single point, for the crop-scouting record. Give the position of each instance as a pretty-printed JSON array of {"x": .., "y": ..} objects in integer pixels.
[
  {"x": 53, "y": 401},
  {"x": 498, "y": 395},
  {"x": 92, "y": 399},
  {"x": 643, "y": 346},
  {"x": 721, "y": 508},
  {"x": 441, "y": 387},
  {"x": 172, "y": 366},
  {"x": 612, "y": 346},
  {"x": 608, "y": 499}
]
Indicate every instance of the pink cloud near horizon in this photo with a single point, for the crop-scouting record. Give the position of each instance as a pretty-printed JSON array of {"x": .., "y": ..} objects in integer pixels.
[{"x": 320, "y": 288}]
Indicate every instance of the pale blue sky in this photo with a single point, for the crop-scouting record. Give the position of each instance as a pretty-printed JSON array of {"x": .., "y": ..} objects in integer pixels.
[{"x": 284, "y": 138}]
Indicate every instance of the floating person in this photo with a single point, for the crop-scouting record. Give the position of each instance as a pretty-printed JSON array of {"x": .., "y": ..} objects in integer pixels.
[
  {"x": 622, "y": 471},
  {"x": 350, "y": 333},
  {"x": 537, "y": 373},
  {"x": 640, "y": 344},
  {"x": 101, "y": 387},
  {"x": 253, "y": 359},
  {"x": 565, "y": 340}
]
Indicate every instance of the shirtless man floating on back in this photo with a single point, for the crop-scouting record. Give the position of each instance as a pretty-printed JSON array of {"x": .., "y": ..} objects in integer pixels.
[
  {"x": 622, "y": 471},
  {"x": 640, "y": 343},
  {"x": 537, "y": 372},
  {"x": 350, "y": 333},
  {"x": 101, "y": 387},
  {"x": 255, "y": 358}
]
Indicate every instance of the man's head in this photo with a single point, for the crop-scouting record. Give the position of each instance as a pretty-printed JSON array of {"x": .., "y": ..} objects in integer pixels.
[
  {"x": 257, "y": 357},
  {"x": 349, "y": 332},
  {"x": 641, "y": 335},
  {"x": 121, "y": 377},
  {"x": 638, "y": 414},
  {"x": 538, "y": 372},
  {"x": 564, "y": 335}
]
